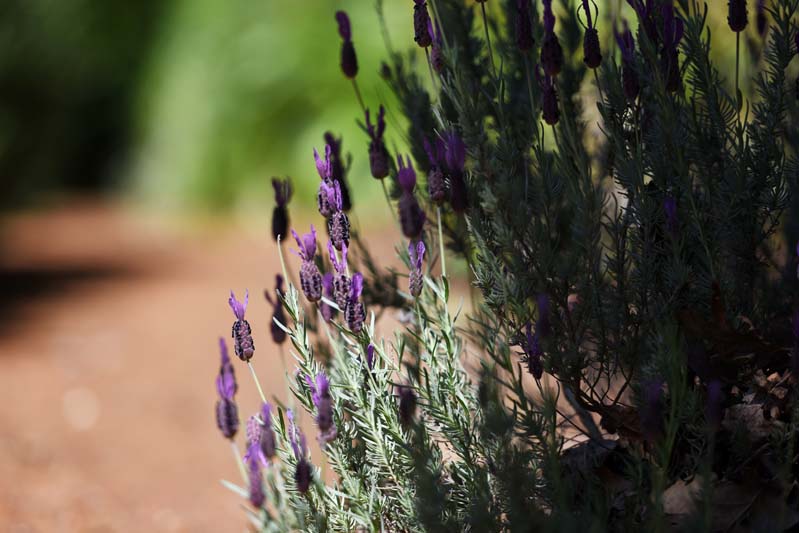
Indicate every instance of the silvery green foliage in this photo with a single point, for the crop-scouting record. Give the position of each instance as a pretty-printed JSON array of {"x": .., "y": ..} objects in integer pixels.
[{"x": 645, "y": 264}]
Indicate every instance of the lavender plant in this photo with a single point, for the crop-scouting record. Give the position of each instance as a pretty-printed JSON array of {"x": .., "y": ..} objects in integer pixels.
[{"x": 630, "y": 361}]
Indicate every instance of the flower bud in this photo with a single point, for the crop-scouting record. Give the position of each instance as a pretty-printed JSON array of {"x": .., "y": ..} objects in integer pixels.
[
  {"x": 737, "y": 15},
  {"x": 421, "y": 20},
  {"x": 593, "y": 56},
  {"x": 227, "y": 417},
  {"x": 241, "y": 331}
]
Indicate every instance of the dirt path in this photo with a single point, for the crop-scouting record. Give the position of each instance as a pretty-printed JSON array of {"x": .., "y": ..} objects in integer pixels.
[{"x": 108, "y": 327}]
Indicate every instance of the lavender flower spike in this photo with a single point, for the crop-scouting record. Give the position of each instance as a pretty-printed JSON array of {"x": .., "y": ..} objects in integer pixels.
[
  {"x": 436, "y": 184},
  {"x": 349, "y": 61},
  {"x": 278, "y": 334},
  {"x": 534, "y": 353},
  {"x": 415, "y": 280},
  {"x": 551, "y": 51},
  {"x": 241, "y": 331},
  {"x": 226, "y": 384},
  {"x": 591, "y": 50},
  {"x": 338, "y": 225},
  {"x": 378, "y": 154},
  {"x": 310, "y": 277},
  {"x": 760, "y": 18},
  {"x": 407, "y": 405},
  {"x": 303, "y": 474},
  {"x": 421, "y": 20},
  {"x": 337, "y": 169},
  {"x": 341, "y": 281},
  {"x": 549, "y": 98},
  {"x": 629, "y": 76},
  {"x": 455, "y": 156},
  {"x": 267, "y": 442},
  {"x": 280, "y": 215},
  {"x": 324, "y": 166},
  {"x": 354, "y": 312},
  {"x": 736, "y": 15},
  {"x": 256, "y": 495},
  {"x": 370, "y": 356},
  {"x": 411, "y": 215},
  {"x": 320, "y": 395},
  {"x": 227, "y": 414},
  {"x": 524, "y": 26},
  {"x": 437, "y": 59}
]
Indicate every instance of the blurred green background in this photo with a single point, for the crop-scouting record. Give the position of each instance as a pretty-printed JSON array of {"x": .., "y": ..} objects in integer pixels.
[{"x": 193, "y": 103}]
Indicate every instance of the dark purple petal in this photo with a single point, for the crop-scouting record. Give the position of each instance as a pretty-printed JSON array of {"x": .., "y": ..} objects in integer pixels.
[
  {"x": 344, "y": 29},
  {"x": 239, "y": 308},
  {"x": 357, "y": 286},
  {"x": 406, "y": 175},
  {"x": 455, "y": 152},
  {"x": 370, "y": 356},
  {"x": 549, "y": 17}
]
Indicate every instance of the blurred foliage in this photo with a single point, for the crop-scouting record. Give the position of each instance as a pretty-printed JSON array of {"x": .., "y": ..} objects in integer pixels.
[
  {"x": 68, "y": 76},
  {"x": 241, "y": 91},
  {"x": 196, "y": 103}
]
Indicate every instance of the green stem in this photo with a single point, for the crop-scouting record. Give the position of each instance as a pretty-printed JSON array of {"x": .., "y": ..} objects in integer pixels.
[
  {"x": 441, "y": 244},
  {"x": 488, "y": 40},
  {"x": 358, "y": 95},
  {"x": 239, "y": 462},
  {"x": 257, "y": 383}
]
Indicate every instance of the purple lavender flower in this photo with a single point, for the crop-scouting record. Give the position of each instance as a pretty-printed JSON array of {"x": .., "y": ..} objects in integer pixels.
[
  {"x": 338, "y": 225},
  {"x": 310, "y": 277},
  {"x": 370, "y": 356},
  {"x": 326, "y": 197},
  {"x": 543, "y": 325},
  {"x": 524, "y": 26},
  {"x": 303, "y": 474},
  {"x": 341, "y": 281},
  {"x": 328, "y": 311},
  {"x": 436, "y": 183},
  {"x": 670, "y": 208},
  {"x": 256, "y": 494},
  {"x": 337, "y": 169},
  {"x": 407, "y": 405},
  {"x": 762, "y": 22},
  {"x": 421, "y": 20},
  {"x": 349, "y": 61},
  {"x": 267, "y": 442},
  {"x": 226, "y": 379},
  {"x": 551, "y": 51},
  {"x": 280, "y": 215},
  {"x": 354, "y": 312},
  {"x": 533, "y": 352},
  {"x": 378, "y": 155},
  {"x": 629, "y": 76},
  {"x": 278, "y": 334},
  {"x": 737, "y": 16},
  {"x": 254, "y": 430},
  {"x": 549, "y": 98},
  {"x": 227, "y": 414},
  {"x": 646, "y": 15},
  {"x": 241, "y": 331},
  {"x": 651, "y": 409},
  {"x": 713, "y": 405},
  {"x": 437, "y": 60},
  {"x": 415, "y": 280},
  {"x": 411, "y": 215},
  {"x": 455, "y": 155},
  {"x": 673, "y": 29},
  {"x": 591, "y": 51},
  {"x": 320, "y": 395}
]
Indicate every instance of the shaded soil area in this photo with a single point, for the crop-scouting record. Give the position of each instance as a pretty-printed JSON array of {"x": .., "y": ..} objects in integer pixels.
[{"x": 108, "y": 353}]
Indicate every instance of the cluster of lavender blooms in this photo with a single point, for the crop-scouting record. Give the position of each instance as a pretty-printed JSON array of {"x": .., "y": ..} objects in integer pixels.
[{"x": 641, "y": 280}]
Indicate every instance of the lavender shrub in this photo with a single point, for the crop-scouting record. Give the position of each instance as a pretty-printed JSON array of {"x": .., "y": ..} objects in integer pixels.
[{"x": 630, "y": 362}]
